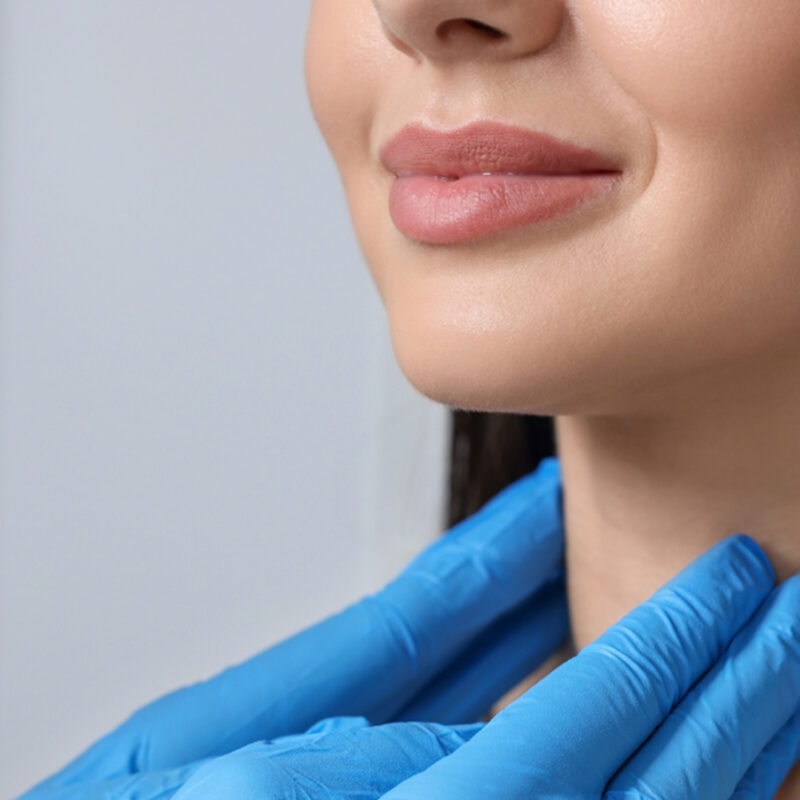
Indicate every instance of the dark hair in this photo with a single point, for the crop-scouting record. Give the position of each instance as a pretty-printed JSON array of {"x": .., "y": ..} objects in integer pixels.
[{"x": 488, "y": 451}]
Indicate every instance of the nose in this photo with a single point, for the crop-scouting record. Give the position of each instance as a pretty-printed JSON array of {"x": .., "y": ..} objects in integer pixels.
[{"x": 449, "y": 30}]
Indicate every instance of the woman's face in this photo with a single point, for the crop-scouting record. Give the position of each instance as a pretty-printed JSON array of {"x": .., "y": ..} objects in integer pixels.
[{"x": 689, "y": 264}]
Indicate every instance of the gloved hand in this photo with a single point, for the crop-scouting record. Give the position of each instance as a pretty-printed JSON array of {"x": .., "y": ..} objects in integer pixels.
[
  {"x": 692, "y": 696},
  {"x": 467, "y": 619}
]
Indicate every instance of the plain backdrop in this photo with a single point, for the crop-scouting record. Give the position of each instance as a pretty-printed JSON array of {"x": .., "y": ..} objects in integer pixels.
[{"x": 206, "y": 441}]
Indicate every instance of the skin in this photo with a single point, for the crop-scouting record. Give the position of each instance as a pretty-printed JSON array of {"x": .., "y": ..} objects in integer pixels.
[{"x": 660, "y": 326}]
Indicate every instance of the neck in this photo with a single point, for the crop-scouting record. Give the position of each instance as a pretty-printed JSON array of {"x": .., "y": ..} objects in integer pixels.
[{"x": 648, "y": 491}]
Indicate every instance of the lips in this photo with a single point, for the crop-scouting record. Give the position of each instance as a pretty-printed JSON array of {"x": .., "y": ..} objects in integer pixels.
[
  {"x": 485, "y": 178},
  {"x": 487, "y": 147}
]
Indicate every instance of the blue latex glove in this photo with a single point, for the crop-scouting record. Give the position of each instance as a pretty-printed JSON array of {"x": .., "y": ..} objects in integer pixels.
[
  {"x": 466, "y": 620},
  {"x": 692, "y": 696}
]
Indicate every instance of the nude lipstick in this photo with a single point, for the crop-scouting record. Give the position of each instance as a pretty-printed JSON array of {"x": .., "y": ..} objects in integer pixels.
[{"x": 485, "y": 178}]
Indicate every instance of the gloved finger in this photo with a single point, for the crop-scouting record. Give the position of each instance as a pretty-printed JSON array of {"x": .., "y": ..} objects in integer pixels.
[
  {"x": 705, "y": 746},
  {"x": 355, "y": 763},
  {"x": 371, "y": 658},
  {"x": 324, "y": 753},
  {"x": 570, "y": 732},
  {"x": 506, "y": 653},
  {"x": 766, "y": 774}
]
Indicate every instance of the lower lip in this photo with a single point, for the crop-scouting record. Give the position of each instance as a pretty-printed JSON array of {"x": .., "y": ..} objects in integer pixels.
[{"x": 429, "y": 209}]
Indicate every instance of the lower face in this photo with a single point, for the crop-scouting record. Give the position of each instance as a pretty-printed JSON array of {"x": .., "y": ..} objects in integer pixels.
[{"x": 689, "y": 266}]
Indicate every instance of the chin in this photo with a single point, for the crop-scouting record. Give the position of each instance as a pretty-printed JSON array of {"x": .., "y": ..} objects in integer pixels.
[
  {"x": 487, "y": 374},
  {"x": 515, "y": 372}
]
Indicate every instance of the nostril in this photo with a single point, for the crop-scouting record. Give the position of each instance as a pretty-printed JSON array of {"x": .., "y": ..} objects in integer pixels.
[
  {"x": 481, "y": 26},
  {"x": 452, "y": 26}
]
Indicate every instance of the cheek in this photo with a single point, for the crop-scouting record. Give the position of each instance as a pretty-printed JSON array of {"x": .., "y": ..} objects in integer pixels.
[
  {"x": 351, "y": 71},
  {"x": 345, "y": 61},
  {"x": 719, "y": 84},
  {"x": 699, "y": 63}
]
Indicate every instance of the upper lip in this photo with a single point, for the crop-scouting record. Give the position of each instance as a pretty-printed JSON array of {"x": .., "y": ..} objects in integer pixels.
[{"x": 487, "y": 147}]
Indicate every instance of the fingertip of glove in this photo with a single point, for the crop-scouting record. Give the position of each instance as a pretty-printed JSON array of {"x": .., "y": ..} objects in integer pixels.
[
  {"x": 749, "y": 545},
  {"x": 549, "y": 465},
  {"x": 542, "y": 481},
  {"x": 546, "y": 476}
]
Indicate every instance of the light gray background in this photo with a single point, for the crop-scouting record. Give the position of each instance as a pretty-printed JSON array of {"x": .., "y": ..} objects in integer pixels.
[{"x": 206, "y": 441}]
